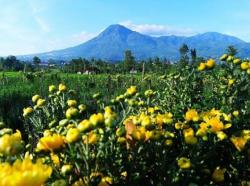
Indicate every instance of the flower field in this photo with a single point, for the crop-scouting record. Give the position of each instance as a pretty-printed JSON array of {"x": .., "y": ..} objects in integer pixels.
[{"x": 189, "y": 127}]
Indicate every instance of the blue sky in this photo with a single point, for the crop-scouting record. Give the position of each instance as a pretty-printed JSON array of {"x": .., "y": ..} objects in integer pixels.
[{"x": 31, "y": 26}]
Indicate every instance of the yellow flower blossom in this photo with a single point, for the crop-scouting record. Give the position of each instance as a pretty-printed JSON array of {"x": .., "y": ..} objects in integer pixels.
[
  {"x": 221, "y": 135},
  {"x": 71, "y": 112},
  {"x": 82, "y": 107},
  {"x": 149, "y": 93},
  {"x": 184, "y": 163},
  {"x": 72, "y": 135},
  {"x": 35, "y": 98},
  {"x": 40, "y": 102},
  {"x": 52, "y": 88},
  {"x": 72, "y": 103},
  {"x": 96, "y": 119},
  {"x": 50, "y": 143},
  {"x": 239, "y": 142},
  {"x": 91, "y": 138},
  {"x": 55, "y": 159},
  {"x": 24, "y": 173},
  {"x": 218, "y": 174},
  {"x": 202, "y": 66},
  {"x": 131, "y": 90},
  {"x": 84, "y": 125},
  {"x": 231, "y": 82},
  {"x": 62, "y": 88},
  {"x": 216, "y": 124},
  {"x": 210, "y": 63},
  {"x": 66, "y": 168},
  {"x": 236, "y": 113},
  {"x": 244, "y": 65},
  {"x": 27, "y": 111},
  {"x": 11, "y": 144},
  {"x": 192, "y": 115}
]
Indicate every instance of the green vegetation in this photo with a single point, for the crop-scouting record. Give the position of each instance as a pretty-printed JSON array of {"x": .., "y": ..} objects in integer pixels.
[{"x": 191, "y": 119}]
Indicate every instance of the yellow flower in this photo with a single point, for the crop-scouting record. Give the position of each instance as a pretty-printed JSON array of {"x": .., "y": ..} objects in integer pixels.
[
  {"x": 40, "y": 102},
  {"x": 188, "y": 132},
  {"x": 55, "y": 159},
  {"x": 72, "y": 135},
  {"x": 239, "y": 142},
  {"x": 248, "y": 70},
  {"x": 192, "y": 115},
  {"x": 72, "y": 103},
  {"x": 105, "y": 181},
  {"x": 149, "y": 93},
  {"x": 92, "y": 138},
  {"x": 236, "y": 61},
  {"x": 184, "y": 163},
  {"x": 24, "y": 173},
  {"x": 191, "y": 140},
  {"x": 50, "y": 143},
  {"x": 221, "y": 135},
  {"x": 202, "y": 66},
  {"x": 210, "y": 63},
  {"x": 216, "y": 124},
  {"x": 202, "y": 131},
  {"x": 47, "y": 133},
  {"x": 35, "y": 98},
  {"x": 178, "y": 126},
  {"x": 223, "y": 57},
  {"x": 236, "y": 113},
  {"x": 138, "y": 135},
  {"x": 71, "y": 112},
  {"x": 124, "y": 174},
  {"x": 227, "y": 117},
  {"x": 79, "y": 183},
  {"x": 151, "y": 110},
  {"x": 82, "y": 107},
  {"x": 189, "y": 136},
  {"x": 146, "y": 121},
  {"x": 27, "y": 111},
  {"x": 131, "y": 90},
  {"x": 96, "y": 119},
  {"x": 218, "y": 174},
  {"x": 66, "y": 168},
  {"x": 244, "y": 65},
  {"x": 121, "y": 140},
  {"x": 11, "y": 144},
  {"x": 62, "y": 88},
  {"x": 246, "y": 134},
  {"x": 231, "y": 82},
  {"x": 168, "y": 142},
  {"x": 52, "y": 88},
  {"x": 84, "y": 125},
  {"x": 230, "y": 58}
]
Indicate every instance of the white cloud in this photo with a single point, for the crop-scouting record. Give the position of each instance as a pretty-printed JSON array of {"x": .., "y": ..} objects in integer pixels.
[{"x": 158, "y": 30}]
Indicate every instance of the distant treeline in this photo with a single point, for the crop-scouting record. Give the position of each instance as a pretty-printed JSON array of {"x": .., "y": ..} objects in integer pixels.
[{"x": 129, "y": 64}]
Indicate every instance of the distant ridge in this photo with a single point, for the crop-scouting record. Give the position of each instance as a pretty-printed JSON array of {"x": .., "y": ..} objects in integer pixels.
[{"x": 114, "y": 40}]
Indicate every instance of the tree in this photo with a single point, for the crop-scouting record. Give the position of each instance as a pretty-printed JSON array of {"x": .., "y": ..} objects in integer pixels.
[
  {"x": 184, "y": 50},
  {"x": 193, "y": 55},
  {"x": 36, "y": 61},
  {"x": 231, "y": 50},
  {"x": 129, "y": 61},
  {"x": 184, "y": 55}
]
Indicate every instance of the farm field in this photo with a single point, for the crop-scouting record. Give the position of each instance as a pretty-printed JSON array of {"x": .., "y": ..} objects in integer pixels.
[{"x": 189, "y": 126}]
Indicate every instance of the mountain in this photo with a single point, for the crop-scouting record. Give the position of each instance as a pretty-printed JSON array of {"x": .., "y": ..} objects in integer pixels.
[{"x": 113, "y": 41}]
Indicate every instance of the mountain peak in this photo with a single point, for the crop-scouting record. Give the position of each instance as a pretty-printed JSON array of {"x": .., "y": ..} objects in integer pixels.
[{"x": 116, "y": 29}]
